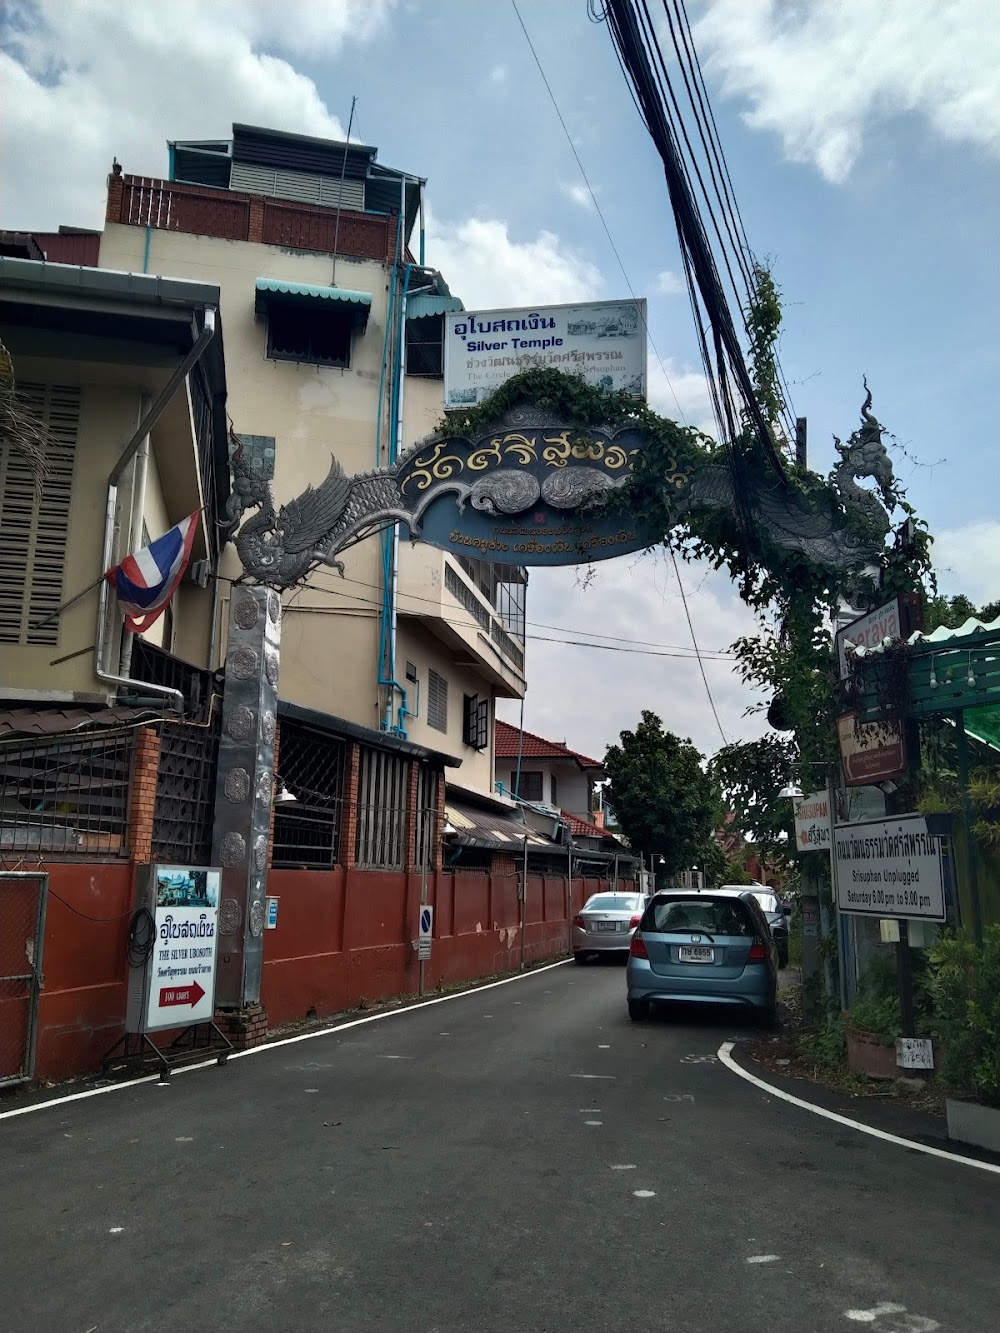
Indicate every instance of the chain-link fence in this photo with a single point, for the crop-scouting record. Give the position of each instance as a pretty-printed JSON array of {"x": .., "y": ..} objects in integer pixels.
[{"x": 22, "y": 929}]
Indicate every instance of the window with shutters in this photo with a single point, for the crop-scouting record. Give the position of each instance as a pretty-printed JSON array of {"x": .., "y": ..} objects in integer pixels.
[
  {"x": 476, "y": 721},
  {"x": 437, "y": 701},
  {"x": 381, "y": 825},
  {"x": 34, "y": 519},
  {"x": 553, "y": 790}
]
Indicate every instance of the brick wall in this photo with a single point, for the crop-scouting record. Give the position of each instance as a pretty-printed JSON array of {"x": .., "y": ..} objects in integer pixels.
[{"x": 142, "y": 799}]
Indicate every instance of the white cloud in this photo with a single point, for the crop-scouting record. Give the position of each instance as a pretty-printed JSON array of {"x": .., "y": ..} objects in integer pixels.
[
  {"x": 967, "y": 561},
  {"x": 587, "y": 696},
  {"x": 669, "y": 284},
  {"x": 86, "y": 80},
  {"x": 678, "y": 393},
  {"x": 579, "y": 195},
  {"x": 498, "y": 74},
  {"x": 486, "y": 267},
  {"x": 822, "y": 75}
]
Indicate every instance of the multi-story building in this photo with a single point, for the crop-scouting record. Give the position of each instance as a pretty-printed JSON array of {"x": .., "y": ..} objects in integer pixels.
[{"x": 334, "y": 347}]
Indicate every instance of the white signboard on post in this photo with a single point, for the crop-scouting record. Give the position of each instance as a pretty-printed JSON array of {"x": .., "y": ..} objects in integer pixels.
[
  {"x": 181, "y": 972},
  {"x": 603, "y": 341},
  {"x": 813, "y": 822},
  {"x": 889, "y": 868}
]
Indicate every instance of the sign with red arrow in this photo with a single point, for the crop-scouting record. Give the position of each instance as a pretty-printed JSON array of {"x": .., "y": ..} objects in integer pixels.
[
  {"x": 813, "y": 822},
  {"x": 190, "y": 995}
]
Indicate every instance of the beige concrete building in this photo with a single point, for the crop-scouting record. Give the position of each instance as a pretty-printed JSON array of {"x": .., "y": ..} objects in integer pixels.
[{"x": 333, "y": 337}]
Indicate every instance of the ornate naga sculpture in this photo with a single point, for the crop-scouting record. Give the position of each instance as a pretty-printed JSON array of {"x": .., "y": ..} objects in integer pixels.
[
  {"x": 848, "y": 536},
  {"x": 280, "y": 546}
]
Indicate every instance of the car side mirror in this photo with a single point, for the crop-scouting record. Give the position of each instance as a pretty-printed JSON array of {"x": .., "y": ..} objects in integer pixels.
[{"x": 787, "y": 911}]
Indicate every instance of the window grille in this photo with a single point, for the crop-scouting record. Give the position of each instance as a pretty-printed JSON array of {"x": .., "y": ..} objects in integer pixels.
[
  {"x": 426, "y": 830},
  {"x": 184, "y": 811},
  {"x": 382, "y": 781},
  {"x": 465, "y": 597},
  {"x": 34, "y": 519},
  {"x": 437, "y": 701},
  {"x": 300, "y": 333},
  {"x": 66, "y": 794},
  {"x": 311, "y": 768}
]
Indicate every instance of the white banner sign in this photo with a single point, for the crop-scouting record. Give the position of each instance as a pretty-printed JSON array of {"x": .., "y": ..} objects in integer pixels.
[
  {"x": 889, "y": 868},
  {"x": 813, "y": 822},
  {"x": 182, "y": 971},
  {"x": 604, "y": 341}
]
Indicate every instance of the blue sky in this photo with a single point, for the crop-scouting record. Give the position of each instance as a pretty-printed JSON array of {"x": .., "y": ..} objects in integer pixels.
[{"x": 863, "y": 141}]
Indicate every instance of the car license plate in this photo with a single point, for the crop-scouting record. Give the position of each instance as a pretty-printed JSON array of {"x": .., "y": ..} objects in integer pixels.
[
  {"x": 695, "y": 953},
  {"x": 605, "y": 925}
]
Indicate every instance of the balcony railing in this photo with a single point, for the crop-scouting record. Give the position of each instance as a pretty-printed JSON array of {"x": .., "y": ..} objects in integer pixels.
[
  {"x": 141, "y": 201},
  {"x": 487, "y": 619}
]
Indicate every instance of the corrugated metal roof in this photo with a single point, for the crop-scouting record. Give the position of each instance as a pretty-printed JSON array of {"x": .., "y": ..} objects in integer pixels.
[
  {"x": 426, "y": 303},
  {"x": 344, "y": 295},
  {"x": 482, "y": 828},
  {"x": 942, "y": 635}
]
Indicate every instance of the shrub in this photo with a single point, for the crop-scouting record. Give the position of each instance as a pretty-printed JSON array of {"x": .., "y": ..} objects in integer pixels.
[{"x": 966, "y": 992}]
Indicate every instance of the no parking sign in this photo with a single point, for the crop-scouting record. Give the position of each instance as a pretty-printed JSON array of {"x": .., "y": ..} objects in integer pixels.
[{"x": 426, "y": 932}]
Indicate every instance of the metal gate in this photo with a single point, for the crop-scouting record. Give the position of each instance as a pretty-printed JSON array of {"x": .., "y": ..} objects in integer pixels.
[{"x": 23, "y": 895}]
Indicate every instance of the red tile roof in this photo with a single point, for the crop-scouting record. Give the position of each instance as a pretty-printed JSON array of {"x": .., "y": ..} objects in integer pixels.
[
  {"x": 583, "y": 828},
  {"x": 509, "y": 745}
]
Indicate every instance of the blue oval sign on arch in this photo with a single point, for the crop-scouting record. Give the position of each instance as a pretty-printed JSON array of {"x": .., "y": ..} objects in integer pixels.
[{"x": 528, "y": 493}]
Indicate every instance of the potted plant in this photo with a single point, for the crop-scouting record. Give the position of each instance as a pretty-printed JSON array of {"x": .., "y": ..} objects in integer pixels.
[
  {"x": 871, "y": 1031},
  {"x": 967, "y": 999}
]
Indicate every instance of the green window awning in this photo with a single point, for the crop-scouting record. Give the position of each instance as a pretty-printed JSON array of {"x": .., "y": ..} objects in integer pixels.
[
  {"x": 425, "y": 303},
  {"x": 278, "y": 289}
]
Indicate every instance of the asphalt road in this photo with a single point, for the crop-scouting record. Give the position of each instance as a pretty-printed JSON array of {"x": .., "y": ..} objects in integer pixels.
[{"x": 521, "y": 1158}]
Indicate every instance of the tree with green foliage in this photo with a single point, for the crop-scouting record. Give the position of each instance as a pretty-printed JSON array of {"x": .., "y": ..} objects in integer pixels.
[{"x": 666, "y": 803}]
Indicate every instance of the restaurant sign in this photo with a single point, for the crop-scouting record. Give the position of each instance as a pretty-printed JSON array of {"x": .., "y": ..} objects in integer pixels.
[
  {"x": 604, "y": 342},
  {"x": 870, "y": 751},
  {"x": 889, "y": 868}
]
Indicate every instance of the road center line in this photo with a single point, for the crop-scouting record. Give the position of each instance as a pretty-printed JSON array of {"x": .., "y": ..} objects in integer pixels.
[{"x": 726, "y": 1056}]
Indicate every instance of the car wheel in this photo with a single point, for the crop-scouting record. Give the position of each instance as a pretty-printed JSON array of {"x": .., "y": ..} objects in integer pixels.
[
  {"x": 768, "y": 1018},
  {"x": 579, "y": 959},
  {"x": 638, "y": 1010}
]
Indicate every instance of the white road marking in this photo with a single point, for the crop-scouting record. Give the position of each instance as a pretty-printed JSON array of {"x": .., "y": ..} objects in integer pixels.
[
  {"x": 487, "y": 1015},
  {"x": 444, "y": 1034},
  {"x": 763, "y": 1258},
  {"x": 907, "y": 1323},
  {"x": 623, "y": 1166},
  {"x": 611, "y": 1076},
  {"x": 593, "y": 1122},
  {"x": 698, "y": 1059},
  {"x": 726, "y": 1056},
  {"x": 384, "y": 1057},
  {"x": 869, "y": 1316},
  {"x": 679, "y": 1097},
  {"x": 184, "y": 1139},
  {"x": 644, "y": 1194},
  {"x": 310, "y": 1089},
  {"x": 116, "y": 1231},
  {"x": 590, "y": 1110},
  {"x": 284, "y": 1041},
  {"x": 604, "y": 1046}
]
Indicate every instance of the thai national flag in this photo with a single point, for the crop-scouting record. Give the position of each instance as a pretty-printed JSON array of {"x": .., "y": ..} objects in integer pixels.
[{"x": 146, "y": 581}]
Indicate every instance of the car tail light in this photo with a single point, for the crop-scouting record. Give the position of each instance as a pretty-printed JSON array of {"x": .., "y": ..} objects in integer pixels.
[
  {"x": 638, "y": 947},
  {"x": 635, "y": 921},
  {"x": 579, "y": 921},
  {"x": 758, "y": 952}
]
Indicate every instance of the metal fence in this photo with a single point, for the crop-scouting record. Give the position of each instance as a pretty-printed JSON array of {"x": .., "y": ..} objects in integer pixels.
[
  {"x": 66, "y": 795},
  {"x": 23, "y": 897},
  {"x": 427, "y": 796},
  {"x": 184, "y": 810},
  {"x": 310, "y": 796}
]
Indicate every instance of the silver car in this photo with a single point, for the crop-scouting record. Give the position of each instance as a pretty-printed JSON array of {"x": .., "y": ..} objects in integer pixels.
[{"x": 606, "y": 924}]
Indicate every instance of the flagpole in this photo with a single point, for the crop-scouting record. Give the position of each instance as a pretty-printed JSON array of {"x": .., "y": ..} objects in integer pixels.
[{"x": 72, "y": 601}]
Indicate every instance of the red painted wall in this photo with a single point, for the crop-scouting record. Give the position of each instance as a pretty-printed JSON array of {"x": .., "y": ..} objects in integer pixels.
[
  {"x": 81, "y": 1013},
  {"x": 342, "y": 936}
]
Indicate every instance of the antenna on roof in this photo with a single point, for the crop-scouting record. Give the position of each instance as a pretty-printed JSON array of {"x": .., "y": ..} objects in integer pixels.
[{"x": 340, "y": 195}]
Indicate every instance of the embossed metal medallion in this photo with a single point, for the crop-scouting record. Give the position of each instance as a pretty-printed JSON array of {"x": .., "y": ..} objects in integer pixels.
[
  {"x": 240, "y": 723},
  {"x": 233, "y": 850},
  {"x": 274, "y": 607},
  {"x": 237, "y": 785},
  {"x": 265, "y": 789},
  {"x": 267, "y": 727},
  {"x": 256, "y": 917},
  {"x": 271, "y": 668},
  {"x": 243, "y": 662},
  {"x": 260, "y": 852},
  {"x": 247, "y": 613},
  {"x": 229, "y": 916}
]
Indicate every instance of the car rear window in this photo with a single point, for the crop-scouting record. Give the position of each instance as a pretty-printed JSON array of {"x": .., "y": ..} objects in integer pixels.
[
  {"x": 612, "y": 902},
  {"x": 715, "y": 916},
  {"x": 768, "y": 903}
]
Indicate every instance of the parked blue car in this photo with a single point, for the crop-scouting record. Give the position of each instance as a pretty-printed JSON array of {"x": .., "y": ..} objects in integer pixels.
[{"x": 704, "y": 947}]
